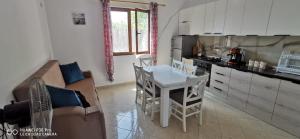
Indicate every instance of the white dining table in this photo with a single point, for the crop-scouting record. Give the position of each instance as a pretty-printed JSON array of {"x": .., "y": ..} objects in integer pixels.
[{"x": 167, "y": 78}]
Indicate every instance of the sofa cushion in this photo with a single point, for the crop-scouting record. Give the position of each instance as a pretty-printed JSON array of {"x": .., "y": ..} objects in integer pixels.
[
  {"x": 71, "y": 73},
  {"x": 61, "y": 97},
  {"x": 87, "y": 88}
]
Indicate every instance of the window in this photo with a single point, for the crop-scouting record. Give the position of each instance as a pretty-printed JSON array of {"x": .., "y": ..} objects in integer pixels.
[{"x": 130, "y": 31}]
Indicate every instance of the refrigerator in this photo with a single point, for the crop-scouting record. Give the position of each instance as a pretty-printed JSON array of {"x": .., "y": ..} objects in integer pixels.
[{"x": 182, "y": 46}]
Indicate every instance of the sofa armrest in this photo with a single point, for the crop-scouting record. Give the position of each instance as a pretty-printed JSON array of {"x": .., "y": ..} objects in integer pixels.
[
  {"x": 87, "y": 74},
  {"x": 79, "y": 123}
]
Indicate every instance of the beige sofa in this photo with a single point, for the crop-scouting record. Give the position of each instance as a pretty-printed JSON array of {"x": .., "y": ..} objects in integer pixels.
[{"x": 70, "y": 122}]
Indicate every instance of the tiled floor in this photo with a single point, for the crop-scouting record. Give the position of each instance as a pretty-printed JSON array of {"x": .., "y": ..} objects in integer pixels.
[{"x": 124, "y": 120}]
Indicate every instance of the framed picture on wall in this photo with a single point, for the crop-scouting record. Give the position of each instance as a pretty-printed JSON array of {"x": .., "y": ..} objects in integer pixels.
[{"x": 78, "y": 18}]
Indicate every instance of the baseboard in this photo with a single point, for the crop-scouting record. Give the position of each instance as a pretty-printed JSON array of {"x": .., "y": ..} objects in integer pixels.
[{"x": 117, "y": 84}]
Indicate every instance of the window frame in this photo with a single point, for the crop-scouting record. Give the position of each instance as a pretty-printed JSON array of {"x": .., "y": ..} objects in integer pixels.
[{"x": 129, "y": 10}]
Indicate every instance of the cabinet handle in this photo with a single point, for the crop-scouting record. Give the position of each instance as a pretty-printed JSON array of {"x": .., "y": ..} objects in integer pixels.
[
  {"x": 219, "y": 81},
  {"x": 283, "y": 35},
  {"x": 220, "y": 74},
  {"x": 218, "y": 33},
  {"x": 207, "y": 33},
  {"x": 268, "y": 87},
  {"x": 218, "y": 89}
]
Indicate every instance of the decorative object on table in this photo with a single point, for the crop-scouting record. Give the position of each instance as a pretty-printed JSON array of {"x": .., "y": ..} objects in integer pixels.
[{"x": 78, "y": 18}]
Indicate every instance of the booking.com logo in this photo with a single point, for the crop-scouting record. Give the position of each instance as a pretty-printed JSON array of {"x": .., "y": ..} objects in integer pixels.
[{"x": 12, "y": 132}]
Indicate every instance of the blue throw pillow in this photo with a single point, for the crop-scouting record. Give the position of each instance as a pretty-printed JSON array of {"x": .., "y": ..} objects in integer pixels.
[
  {"x": 71, "y": 73},
  {"x": 61, "y": 97}
]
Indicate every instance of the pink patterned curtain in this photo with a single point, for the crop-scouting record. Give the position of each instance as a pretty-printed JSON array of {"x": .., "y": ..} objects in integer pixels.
[
  {"x": 154, "y": 30},
  {"x": 108, "y": 44}
]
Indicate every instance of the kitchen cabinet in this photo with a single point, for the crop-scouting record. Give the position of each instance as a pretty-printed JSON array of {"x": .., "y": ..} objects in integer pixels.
[
  {"x": 192, "y": 20},
  {"x": 287, "y": 107},
  {"x": 210, "y": 9},
  {"x": 262, "y": 97},
  {"x": 285, "y": 18},
  {"x": 256, "y": 17},
  {"x": 239, "y": 88},
  {"x": 220, "y": 13},
  {"x": 234, "y": 17},
  {"x": 219, "y": 82},
  {"x": 185, "y": 18},
  {"x": 198, "y": 20}
]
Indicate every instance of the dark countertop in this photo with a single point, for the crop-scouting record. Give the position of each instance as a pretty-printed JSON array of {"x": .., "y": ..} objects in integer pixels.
[{"x": 267, "y": 72}]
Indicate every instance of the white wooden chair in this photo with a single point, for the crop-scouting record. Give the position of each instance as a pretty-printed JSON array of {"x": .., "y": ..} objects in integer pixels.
[
  {"x": 178, "y": 65},
  {"x": 188, "y": 66},
  {"x": 139, "y": 81},
  {"x": 188, "y": 101},
  {"x": 189, "y": 69},
  {"x": 146, "y": 62},
  {"x": 152, "y": 92}
]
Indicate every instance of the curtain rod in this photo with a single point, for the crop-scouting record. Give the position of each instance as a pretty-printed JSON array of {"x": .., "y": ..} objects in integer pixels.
[{"x": 125, "y": 1}]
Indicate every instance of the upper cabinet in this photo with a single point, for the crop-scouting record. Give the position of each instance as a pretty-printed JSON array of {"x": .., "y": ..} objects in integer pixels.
[
  {"x": 234, "y": 17},
  {"x": 256, "y": 17},
  {"x": 192, "y": 20},
  {"x": 210, "y": 9},
  {"x": 220, "y": 13},
  {"x": 198, "y": 20},
  {"x": 285, "y": 18}
]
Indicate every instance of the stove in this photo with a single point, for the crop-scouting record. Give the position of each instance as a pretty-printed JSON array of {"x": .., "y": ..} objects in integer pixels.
[{"x": 204, "y": 65}]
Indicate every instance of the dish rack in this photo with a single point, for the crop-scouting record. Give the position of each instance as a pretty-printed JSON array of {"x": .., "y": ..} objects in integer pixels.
[{"x": 289, "y": 62}]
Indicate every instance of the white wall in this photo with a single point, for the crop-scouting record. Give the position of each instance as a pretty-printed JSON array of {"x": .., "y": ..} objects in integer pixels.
[
  {"x": 23, "y": 43},
  {"x": 85, "y": 43}
]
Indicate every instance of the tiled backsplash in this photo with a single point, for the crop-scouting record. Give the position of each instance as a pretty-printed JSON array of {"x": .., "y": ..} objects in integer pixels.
[{"x": 262, "y": 48}]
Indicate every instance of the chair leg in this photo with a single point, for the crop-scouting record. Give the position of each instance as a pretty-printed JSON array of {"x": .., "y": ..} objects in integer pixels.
[
  {"x": 200, "y": 117},
  {"x": 184, "y": 119},
  {"x": 152, "y": 108},
  {"x": 144, "y": 103},
  {"x": 136, "y": 94}
]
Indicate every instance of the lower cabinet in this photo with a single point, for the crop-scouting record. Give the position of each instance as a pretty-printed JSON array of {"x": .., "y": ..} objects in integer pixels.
[
  {"x": 287, "y": 108},
  {"x": 262, "y": 97},
  {"x": 272, "y": 100},
  {"x": 239, "y": 89}
]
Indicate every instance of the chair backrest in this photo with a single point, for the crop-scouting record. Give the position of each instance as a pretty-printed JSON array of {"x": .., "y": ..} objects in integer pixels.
[
  {"x": 187, "y": 61},
  {"x": 148, "y": 82},
  {"x": 197, "y": 86},
  {"x": 146, "y": 62},
  {"x": 189, "y": 69},
  {"x": 177, "y": 64},
  {"x": 138, "y": 74}
]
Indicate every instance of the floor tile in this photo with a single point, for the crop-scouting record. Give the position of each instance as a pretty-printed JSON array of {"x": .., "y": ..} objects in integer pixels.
[{"x": 125, "y": 120}]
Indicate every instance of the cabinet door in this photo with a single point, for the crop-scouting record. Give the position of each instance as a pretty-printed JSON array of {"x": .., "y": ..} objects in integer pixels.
[
  {"x": 198, "y": 20},
  {"x": 220, "y": 13},
  {"x": 234, "y": 17},
  {"x": 262, "y": 97},
  {"x": 285, "y": 18},
  {"x": 210, "y": 9},
  {"x": 256, "y": 17},
  {"x": 185, "y": 17},
  {"x": 239, "y": 88},
  {"x": 287, "y": 108}
]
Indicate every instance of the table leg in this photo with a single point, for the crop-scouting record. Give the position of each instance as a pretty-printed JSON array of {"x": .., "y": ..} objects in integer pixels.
[{"x": 164, "y": 107}]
